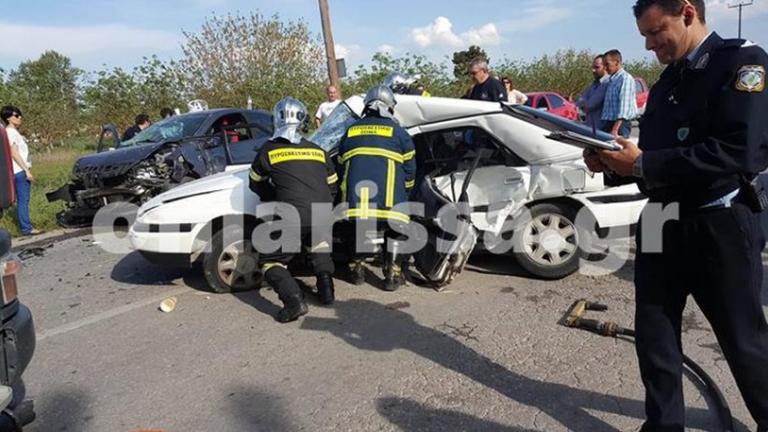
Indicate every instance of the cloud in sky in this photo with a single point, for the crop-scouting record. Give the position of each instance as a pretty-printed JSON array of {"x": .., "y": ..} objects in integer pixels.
[
  {"x": 84, "y": 43},
  {"x": 346, "y": 51},
  {"x": 440, "y": 33},
  {"x": 535, "y": 18}
]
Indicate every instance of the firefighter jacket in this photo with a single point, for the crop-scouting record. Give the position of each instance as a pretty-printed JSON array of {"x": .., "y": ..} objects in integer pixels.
[
  {"x": 378, "y": 159},
  {"x": 297, "y": 174}
]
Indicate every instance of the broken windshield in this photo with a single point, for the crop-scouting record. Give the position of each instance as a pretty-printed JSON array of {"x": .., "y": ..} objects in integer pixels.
[
  {"x": 333, "y": 128},
  {"x": 172, "y": 128}
]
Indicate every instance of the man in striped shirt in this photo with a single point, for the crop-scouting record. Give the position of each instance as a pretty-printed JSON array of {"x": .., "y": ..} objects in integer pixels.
[{"x": 620, "y": 105}]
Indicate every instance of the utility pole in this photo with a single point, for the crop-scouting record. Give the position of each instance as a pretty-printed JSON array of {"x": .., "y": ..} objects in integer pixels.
[
  {"x": 330, "y": 50},
  {"x": 741, "y": 5}
]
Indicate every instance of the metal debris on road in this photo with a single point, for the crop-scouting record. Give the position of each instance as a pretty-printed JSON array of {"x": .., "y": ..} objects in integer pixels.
[{"x": 33, "y": 251}]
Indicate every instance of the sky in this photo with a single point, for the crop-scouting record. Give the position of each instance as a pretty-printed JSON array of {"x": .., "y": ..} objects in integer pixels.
[{"x": 99, "y": 34}]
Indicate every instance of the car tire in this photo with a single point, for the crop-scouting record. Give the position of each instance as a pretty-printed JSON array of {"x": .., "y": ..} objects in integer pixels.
[
  {"x": 231, "y": 264},
  {"x": 548, "y": 245}
]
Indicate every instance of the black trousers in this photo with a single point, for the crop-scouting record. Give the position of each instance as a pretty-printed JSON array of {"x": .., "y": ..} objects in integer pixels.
[
  {"x": 715, "y": 256},
  {"x": 389, "y": 250},
  {"x": 274, "y": 265}
]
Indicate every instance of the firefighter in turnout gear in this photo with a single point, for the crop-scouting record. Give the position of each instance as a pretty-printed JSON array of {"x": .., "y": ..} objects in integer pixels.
[
  {"x": 379, "y": 168},
  {"x": 291, "y": 170}
]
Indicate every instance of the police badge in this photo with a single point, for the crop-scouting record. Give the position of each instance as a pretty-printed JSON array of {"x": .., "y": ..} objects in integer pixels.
[{"x": 751, "y": 79}]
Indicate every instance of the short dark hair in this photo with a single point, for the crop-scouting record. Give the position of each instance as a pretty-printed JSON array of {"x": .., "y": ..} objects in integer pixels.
[
  {"x": 670, "y": 7},
  {"x": 166, "y": 112},
  {"x": 8, "y": 111},
  {"x": 614, "y": 54},
  {"x": 141, "y": 119},
  {"x": 599, "y": 56}
]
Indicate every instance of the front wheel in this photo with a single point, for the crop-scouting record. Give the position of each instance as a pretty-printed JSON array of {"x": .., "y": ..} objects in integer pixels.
[
  {"x": 231, "y": 264},
  {"x": 548, "y": 246}
]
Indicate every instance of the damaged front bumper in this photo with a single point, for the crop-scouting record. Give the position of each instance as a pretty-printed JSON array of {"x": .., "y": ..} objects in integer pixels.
[{"x": 83, "y": 204}]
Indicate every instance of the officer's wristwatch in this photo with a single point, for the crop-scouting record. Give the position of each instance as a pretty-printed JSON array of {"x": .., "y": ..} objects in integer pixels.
[{"x": 637, "y": 167}]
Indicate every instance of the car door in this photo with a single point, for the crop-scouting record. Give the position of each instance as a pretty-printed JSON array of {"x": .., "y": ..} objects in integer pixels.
[
  {"x": 465, "y": 163},
  {"x": 499, "y": 182},
  {"x": 556, "y": 105},
  {"x": 250, "y": 138}
]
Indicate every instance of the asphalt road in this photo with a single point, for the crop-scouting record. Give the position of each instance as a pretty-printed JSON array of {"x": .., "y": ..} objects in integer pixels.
[{"x": 484, "y": 355}]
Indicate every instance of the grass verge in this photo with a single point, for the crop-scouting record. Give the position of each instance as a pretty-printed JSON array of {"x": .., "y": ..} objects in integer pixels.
[{"x": 51, "y": 170}]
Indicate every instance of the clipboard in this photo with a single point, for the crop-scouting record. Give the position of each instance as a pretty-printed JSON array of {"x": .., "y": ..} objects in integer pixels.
[{"x": 583, "y": 141}]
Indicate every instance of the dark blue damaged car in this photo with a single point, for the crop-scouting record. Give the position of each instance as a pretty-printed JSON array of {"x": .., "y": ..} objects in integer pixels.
[{"x": 170, "y": 152}]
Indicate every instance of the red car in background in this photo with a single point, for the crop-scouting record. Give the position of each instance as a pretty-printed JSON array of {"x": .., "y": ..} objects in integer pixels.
[
  {"x": 641, "y": 93},
  {"x": 553, "y": 103}
]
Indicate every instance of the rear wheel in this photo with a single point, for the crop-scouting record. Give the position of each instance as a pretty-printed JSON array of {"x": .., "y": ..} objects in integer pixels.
[
  {"x": 548, "y": 246},
  {"x": 231, "y": 264}
]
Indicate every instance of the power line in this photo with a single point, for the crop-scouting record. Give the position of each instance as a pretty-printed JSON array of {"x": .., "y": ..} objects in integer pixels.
[{"x": 741, "y": 5}]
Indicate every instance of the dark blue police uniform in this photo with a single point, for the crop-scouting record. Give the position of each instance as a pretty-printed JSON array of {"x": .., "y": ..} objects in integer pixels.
[{"x": 704, "y": 135}]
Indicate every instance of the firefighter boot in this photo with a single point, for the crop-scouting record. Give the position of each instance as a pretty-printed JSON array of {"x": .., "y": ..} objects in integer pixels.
[
  {"x": 289, "y": 293},
  {"x": 356, "y": 272},
  {"x": 393, "y": 272},
  {"x": 325, "y": 290}
]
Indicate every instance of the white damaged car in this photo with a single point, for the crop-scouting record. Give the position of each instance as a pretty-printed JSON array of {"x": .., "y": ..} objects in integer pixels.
[{"x": 501, "y": 160}]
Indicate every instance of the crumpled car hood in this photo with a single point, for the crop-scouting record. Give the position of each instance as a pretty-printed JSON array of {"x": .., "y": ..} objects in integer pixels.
[{"x": 115, "y": 162}]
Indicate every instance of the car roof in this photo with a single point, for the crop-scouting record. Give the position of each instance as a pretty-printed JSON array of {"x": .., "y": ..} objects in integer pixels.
[
  {"x": 412, "y": 110},
  {"x": 224, "y": 111},
  {"x": 543, "y": 94},
  {"x": 520, "y": 131}
]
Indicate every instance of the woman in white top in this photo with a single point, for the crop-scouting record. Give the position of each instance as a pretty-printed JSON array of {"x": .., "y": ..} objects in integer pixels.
[
  {"x": 22, "y": 166},
  {"x": 515, "y": 97}
]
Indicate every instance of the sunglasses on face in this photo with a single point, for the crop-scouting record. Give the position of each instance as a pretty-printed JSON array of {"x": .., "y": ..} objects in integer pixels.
[{"x": 17, "y": 115}]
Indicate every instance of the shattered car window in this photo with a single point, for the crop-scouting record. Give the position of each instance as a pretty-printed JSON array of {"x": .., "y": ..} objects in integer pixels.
[
  {"x": 172, "y": 128},
  {"x": 330, "y": 132}
]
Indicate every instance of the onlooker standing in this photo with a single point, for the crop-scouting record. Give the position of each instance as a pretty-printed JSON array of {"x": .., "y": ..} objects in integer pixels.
[
  {"x": 516, "y": 97},
  {"x": 142, "y": 122},
  {"x": 591, "y": 101},
  {"x": 487, "y": 88},
  {"x": 326, "y": 108},
  {"x": 620, "y": 106},
  {"x": 22, "y": 166},
  {"x": 165, "y": 113}
]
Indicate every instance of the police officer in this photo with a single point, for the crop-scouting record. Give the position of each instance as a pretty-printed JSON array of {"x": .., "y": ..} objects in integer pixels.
[
  {"x": 379, "y": 168},
  {"x": 703, "y": 138},
  {"x": 292, "y": 170},
  {"x": 400, "y": 83}
]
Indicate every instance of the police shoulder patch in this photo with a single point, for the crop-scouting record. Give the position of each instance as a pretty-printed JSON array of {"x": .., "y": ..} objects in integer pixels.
[{"x": 751, "y": 78}]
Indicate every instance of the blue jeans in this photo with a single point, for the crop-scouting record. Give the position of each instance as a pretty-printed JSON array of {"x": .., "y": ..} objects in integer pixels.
[
  {"x": 625, "y": 130},
  {"x": 23, "y": 189}
]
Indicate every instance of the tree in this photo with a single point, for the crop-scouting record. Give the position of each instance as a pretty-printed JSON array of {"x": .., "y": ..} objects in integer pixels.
[
  {"x": 112, "y": 97},
  {"x": 235, "y": 56},
  {"x": 46, "y": 91},
  {"x": 432, "y": 75},
  {"x": 461, "y": 60}
]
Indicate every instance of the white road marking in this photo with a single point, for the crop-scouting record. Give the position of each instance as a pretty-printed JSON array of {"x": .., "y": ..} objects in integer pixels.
[{"x": 93, "y": 319}]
